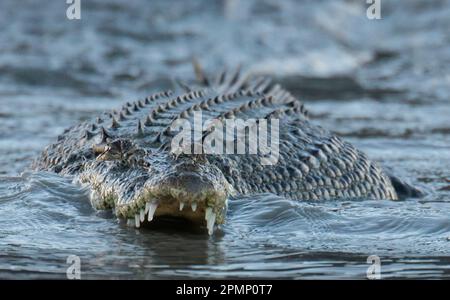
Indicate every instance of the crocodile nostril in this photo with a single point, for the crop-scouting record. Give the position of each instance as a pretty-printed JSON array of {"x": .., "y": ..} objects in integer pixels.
[
  {"x": 189, "y": 183},
  {"x": 187, "y": 168}
]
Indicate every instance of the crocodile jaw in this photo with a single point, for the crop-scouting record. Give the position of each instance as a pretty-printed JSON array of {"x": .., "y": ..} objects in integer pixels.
[
  {"x": 208, "y": 208},
  {"x": 199, "y": 197}
]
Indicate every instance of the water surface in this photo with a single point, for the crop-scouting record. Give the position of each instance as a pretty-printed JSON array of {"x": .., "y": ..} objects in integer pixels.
[{"x": 383, "y": 85}]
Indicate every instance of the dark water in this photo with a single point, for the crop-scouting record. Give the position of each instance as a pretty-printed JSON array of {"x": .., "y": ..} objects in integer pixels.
[{"x": 382, "y": 84}]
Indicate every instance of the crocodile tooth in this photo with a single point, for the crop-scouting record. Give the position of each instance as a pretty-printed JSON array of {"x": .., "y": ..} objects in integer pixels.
[
  {"x": 147, "y": 207},
  {"x": 208, "y": 212},
  {"x": 130, "y": 222},
  {"x": 181, "y": 206},
  {"x": 142, "y": 215},
  {"x": 151, "y": 211},
  {"x": 210, "y": 223},
  {"x": 137, "y": 221},
  {"x": 194, "y": 206}
]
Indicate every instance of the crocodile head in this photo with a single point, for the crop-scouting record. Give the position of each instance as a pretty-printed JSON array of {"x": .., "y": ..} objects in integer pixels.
[{"x": 143, "y": 184}]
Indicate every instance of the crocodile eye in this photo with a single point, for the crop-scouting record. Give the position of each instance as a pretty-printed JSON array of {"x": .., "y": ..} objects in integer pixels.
[
  {"x": 115, "y": 150},
  {"x": 116, "y": 145}
]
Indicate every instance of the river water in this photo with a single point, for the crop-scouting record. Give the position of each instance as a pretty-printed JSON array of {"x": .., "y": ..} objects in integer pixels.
[{"x": 382, "y": 84}]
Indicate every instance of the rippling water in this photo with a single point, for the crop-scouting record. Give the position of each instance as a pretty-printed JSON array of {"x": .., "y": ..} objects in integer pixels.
[{"x": 384, "y": 85}]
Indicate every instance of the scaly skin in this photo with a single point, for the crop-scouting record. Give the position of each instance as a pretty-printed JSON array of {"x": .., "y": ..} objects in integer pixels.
[{"x": 124, "y": 155}]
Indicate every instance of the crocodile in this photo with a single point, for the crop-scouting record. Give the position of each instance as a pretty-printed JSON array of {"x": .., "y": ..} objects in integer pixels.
[{"x": 125, "y": 156}]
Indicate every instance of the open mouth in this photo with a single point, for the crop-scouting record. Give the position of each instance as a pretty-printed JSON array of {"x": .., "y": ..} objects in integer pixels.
[
  {"x": 207, "y": 210},
  {"x": 139, "y": 199}
]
